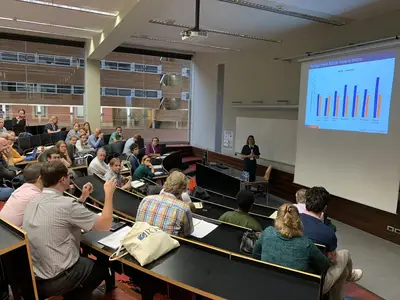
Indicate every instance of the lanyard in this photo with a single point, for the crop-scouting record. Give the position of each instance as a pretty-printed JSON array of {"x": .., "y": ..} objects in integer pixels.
[{"x": 154, "y": 150}]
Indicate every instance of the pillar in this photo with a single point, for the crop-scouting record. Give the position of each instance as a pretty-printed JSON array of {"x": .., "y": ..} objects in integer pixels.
[{"x": 92, "y": 97}]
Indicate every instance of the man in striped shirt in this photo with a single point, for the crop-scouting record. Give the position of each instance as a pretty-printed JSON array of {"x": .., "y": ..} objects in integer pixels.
[{"x": 167, "y": 210}]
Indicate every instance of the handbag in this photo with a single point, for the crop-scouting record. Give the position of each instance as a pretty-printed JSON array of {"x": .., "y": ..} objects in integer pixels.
[
  {"x": 145, "y": 243},
  {"x": 248, "y": 242}
]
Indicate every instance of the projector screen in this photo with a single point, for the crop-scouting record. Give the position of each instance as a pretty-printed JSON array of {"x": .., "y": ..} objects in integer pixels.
[
  {"x": 351, "y": 94},
  {"x": 349, "y": 127}
]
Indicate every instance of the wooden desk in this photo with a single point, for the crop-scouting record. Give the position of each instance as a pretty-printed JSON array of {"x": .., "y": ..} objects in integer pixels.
[
  {"x": 196, "y": 270},
  {"x": 24, "y": 163},
  {"x": 16, "y": 261}
]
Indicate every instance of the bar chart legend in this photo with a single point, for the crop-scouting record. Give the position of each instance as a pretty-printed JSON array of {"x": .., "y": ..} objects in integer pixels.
[{"x": 352, "y": 94}]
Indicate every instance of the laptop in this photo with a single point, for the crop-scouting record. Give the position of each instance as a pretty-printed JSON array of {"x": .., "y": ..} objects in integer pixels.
[{"x": 32, "y": 156}]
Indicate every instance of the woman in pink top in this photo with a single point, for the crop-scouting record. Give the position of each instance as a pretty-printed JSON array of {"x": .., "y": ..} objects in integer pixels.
[{"x": 14, "y": 209}]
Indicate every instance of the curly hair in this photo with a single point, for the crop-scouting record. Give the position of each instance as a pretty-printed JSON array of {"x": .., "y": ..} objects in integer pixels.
[{"x": 288, "y": 222}]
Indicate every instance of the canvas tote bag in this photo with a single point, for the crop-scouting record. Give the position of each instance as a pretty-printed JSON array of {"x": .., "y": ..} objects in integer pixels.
[{"x": 145, "y": 243}]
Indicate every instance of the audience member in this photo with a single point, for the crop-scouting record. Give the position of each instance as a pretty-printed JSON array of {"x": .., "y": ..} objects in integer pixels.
[
  {"x": 116, "y": 136},
  {"x": 6, "y": 172},
  {"x": 88, "y": 130},
  {"x": 52, "y": 155},
  {"x": 341, "y": 271},
  {"x": 72, "y": 149},
  {"x": 132, "y": 157},
  {"x": 115, "y": 172},
  {"x": 96, "y": 140},
  {"x": 166, "y": 210},
  {"x": 19, "y": 122},
  {"x": 301, "y": 200},
  {"x": 133, "y": 140},
  {"x": 153, "y": 149},
  {"x": 241, "y": 217},
  {"x": 97, "y": 165},
  {"x": 61, "y": 148},
  {"x": 285, "y": 245},
  {"x": 52, "y": 126},
  {"x": 53, "y": 223},
  {"x": 145, "y": 170},
  {"x": 15, "y": 154},
  {"x": 14, "y": 209},
  {"x": 73, "y": 132},
  {"x": 82, "y": 144},
  {"x": 2, "y": 128}
]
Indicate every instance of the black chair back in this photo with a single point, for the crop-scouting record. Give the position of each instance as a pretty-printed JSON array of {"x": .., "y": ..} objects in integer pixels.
[
  {"x": 55, "y": 137},
  {"x": 35, "y": 141},
  {"x": 163, "y": 148},
  {"x": 117, "y": 148},
  {"x": 8, "y": 124},
  {"x": 140, "y": 142},
  {"x": 46, "y": 140},
  {"x": 107, "y": 139},
  {"x": 24, "y": 143}
]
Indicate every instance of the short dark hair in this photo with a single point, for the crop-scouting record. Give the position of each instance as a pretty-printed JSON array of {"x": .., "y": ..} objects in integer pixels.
[
  {"x": 134, "y": 146},
  {"x": 21, "y": 110},
  {"x": 317, "y": 199},
  {"x": 245, "y": 199},
  {"x": 50, "y": 151},
  {"x": 118, "y": 127},
  {"x": 52, "y": 173},
  {"x": 32, "y": 172}
]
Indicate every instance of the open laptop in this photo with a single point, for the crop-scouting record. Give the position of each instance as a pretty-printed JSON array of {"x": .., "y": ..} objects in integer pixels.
[{"x": 32, "y": 156}]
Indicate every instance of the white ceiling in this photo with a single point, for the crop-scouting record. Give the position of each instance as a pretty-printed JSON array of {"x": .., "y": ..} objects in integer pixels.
[{"x": 214, "y": 14}]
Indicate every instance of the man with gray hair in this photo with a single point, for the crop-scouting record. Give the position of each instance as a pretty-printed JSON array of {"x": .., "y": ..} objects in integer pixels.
[
  {"x": 96, "y": 140},
  {"x": 167, "y": 210},
  {"x": 2, "y": 128},
  {"x": 97, "y": 165}
]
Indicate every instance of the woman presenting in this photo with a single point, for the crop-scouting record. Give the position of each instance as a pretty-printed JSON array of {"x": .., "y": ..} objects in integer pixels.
[{"x": 250, "y": 153}]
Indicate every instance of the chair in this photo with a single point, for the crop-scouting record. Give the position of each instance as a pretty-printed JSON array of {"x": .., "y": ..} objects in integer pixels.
[
  {"x": 55, "y": 137},
  {"x": 35, "y": 141},
  {"x": 8, "y": 124},
  {"x": 24, "y": 143},
  {"x": 106, "y": 138},
  {"x": 117, "y": 148},
  {"x": 46, "y": 139},
  {"x": 163, "y": 148}
]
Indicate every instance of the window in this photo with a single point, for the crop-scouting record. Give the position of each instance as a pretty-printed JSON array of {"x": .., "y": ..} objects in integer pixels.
[
  {"x": 79, "y": 111},
  {"x": 186, "y": 72},
  {"x": 124, "y": 92},
  {"x": 26, "y": 57},
  {"x": 78, "y": 90},
  {"x": 185, "y": 95},
  {"x": 124, "y": 66},
  {"x": 138, "y": 68},
  {"x": 46, "y": 59},
  {"x": 21, "y": 87},
  {"x": 8, "y": 86},
  {"x": 48, "y": 88},
  {"x": 110, "y": 65},
  {"x": 140, "y": 93},
  {"x": 9, "y": 56},
  {"x": 40, "y": 111},
  {"x": 110, "y": 92},
  {"x": 63, "y": 89},
  {"x": 151, "y": 69},
  {"x": 152, "y": 94},
  {"x": 63, "y": 60},
  {"x": 82, "y": 63}
]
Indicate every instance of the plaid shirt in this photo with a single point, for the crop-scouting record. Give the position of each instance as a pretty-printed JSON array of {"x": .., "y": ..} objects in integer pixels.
[{"x": 166, "y": 212}]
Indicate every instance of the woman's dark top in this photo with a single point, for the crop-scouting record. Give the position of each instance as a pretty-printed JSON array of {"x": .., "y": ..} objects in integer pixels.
[
  {"x": 247, "y": 150},
  {"x": 50, "y": 127}
]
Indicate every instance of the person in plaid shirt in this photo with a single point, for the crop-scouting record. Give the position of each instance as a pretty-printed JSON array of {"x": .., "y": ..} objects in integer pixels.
[{"x": 167, "y": 210}]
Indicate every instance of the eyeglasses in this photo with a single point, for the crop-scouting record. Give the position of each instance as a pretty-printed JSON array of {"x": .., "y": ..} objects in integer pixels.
[{"x": 147, "y": 160}]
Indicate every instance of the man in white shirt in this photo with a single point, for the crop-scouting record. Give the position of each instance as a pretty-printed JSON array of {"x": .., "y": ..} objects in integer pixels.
[{"x": 97, "y": 165}]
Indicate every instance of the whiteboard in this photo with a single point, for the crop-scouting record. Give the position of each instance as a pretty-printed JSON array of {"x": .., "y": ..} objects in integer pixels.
[{"x": 276, "y": 138}]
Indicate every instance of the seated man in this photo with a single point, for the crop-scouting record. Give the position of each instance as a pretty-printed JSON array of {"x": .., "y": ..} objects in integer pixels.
[
  {"x": 154, "y": 149},
  {"x": 317, "y": 199},
  {"x": 97, "y": 165},
  {"x": 133, "y": 158},
  {"x": 116, "y": 136},
  {"x": 52, "y": 155},
  {"x": 167, "y": 210},
  {"x": 241, "y": 217},
  {"x": 53, "y": 223},
  {"x": 96, "y": 140},
  {"x": 14, "y": 209},
  {"x": 129, "y": 142},
  {"x": 82, "y": 144},
  {"x": 301, "y": 200},
  {"x": 7, "y": 169},
  {"x": 115, "y": 173}
]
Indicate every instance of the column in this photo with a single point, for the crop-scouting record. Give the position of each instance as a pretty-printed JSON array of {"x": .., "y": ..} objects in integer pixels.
[{"x": 92, "y": 97}]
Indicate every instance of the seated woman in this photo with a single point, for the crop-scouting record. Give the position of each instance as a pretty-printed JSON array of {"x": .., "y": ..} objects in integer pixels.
[
  {"x": 97, "y": 165},
  {"x": 61, "y": 148},
  {"x": 16, "y": 157},
  {"x": 72, "y": 149},
  {"x": 73, "y": 132},
  {"x": 115, "y": 172},
  {"x": 154, "y": 149},
  {"x": 86, "y": 127},
  {"x": 145, "y": 170},
  {"x": 285, "y": 244},
  {"x": 52, "y": 126}
]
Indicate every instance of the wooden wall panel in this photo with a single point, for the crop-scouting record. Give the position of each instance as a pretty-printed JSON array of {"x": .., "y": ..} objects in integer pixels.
[
  {"x": 135, "y": 102},
  {"x": 48, "y": 99},
  {"x": 130, "y": 57}
]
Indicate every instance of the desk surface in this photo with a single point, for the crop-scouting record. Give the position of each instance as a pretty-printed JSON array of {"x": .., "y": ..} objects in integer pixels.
[
  {"x": 8, "y": 239},
  {"x": 213, "y": 272}
]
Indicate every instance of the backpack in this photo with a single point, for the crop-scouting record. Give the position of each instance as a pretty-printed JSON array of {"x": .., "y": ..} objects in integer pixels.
[
  {"x": 248, "y": 242},
  {"x": 200, "y": 193}
]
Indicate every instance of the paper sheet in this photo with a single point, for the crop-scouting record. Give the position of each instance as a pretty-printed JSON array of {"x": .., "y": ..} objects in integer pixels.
[
  {"x": 156, "y": 167},
  {"x": 113, "y": 240},
  {"x": 158, "y": 173},
  {"x": 202, "y": 228}
]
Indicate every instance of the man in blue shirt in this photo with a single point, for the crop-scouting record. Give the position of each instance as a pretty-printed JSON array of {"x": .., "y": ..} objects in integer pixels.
[
  {"x": 341, "y": 271},
  {"x": 96, "y": 139},
  {"x": 130, "y": 142}
]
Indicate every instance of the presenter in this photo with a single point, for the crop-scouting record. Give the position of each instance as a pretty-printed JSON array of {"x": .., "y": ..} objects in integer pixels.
[{"x": 250, "y": 153}]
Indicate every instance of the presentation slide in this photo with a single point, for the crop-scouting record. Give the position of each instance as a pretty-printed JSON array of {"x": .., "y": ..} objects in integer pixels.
[{"x": 351, "y": 94}]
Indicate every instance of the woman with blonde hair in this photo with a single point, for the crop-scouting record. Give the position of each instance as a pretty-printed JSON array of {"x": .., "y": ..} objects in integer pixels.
[
  {"x": 62, "y": 150},
  {"x": 52, "y": 126},
  {"x": 285, "y": 245}
]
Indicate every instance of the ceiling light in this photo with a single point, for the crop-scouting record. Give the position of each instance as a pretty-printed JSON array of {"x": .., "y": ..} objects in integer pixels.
[
  {"x": 235, "y": 34},
  {"x": 43, "y": 32},
  {"x": 281, "y": 10},
  {"x": 81, "y": 9},
  {"x": 51, "y": 25},
  {"x": 157, "y": 39}
]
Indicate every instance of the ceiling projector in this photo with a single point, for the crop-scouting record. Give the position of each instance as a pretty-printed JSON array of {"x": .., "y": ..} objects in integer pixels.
[{"x": 193, "y": 35}]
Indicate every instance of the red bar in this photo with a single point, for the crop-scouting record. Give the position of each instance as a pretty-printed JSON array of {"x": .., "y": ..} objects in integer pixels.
[
  {"x": 347, "y": 105},
  {"x": 356, "y": 112},
  {"x": 379, "y": 105}
]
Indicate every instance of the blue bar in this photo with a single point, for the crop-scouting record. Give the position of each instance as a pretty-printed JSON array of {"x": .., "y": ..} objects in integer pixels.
[
  {"x": 344, "y": 100},
  {"x": 318, "y": 105},
  {"x": 376, "y": 96},
  {"x": 334, "y": 105},
  {"x": 354, "y": 101},
  {"x": 365, "y": 100},
  {"x": 326, "y": 107}
]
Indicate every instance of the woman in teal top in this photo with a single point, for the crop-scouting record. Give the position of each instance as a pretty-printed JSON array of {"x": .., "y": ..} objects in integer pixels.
[
  {"x": 145, "y": 170},
  {"x": 286, "y": 246}
]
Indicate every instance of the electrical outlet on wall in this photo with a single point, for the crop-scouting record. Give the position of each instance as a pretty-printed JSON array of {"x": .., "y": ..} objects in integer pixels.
[
  {"x": 390, "y": 228},
  {"x": 397, "y": 230}
]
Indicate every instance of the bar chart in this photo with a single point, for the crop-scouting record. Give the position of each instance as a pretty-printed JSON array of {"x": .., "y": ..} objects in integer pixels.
[{"x": 352, "y": 94}]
